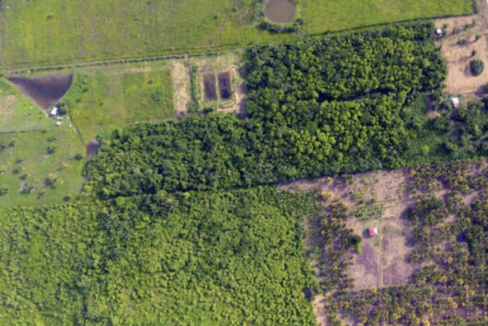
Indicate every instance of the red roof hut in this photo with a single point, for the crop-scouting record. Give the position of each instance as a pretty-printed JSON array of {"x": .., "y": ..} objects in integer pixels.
[{"x": 373, "y": 231}]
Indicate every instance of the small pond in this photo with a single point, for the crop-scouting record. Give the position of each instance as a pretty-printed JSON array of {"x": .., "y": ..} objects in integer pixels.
[
  {"x": 44, "y": 91},
  {"x": 210, "y": 87},
  {"x": 280, "y": 11},
  {"x": 224, "y": 85}
]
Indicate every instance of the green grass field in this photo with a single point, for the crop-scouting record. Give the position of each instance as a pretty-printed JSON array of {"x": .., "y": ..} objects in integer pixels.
[
  {"x": 105, "y": 99},
  {"x": 55, "y": 31},
  {"x": 100, "y": 101},
  {"x": 17, "y": 112},
  {"x": 25, "y": 166}
]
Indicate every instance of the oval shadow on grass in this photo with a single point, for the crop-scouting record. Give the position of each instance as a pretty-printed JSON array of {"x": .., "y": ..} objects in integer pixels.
[{"x": 44, "y": 91}]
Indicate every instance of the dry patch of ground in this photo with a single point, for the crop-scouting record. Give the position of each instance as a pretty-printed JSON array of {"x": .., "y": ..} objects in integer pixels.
[
  {"x": 226, "y": 62},
  {"x": 92, "y": 147},
  {"x": 374, "y": 199},
  {"x": 458, "y": 56},
  {"x": 7, "y": 105},
  {"x": 319, "y": 311},
  {"x": 396, "y": 245},
  {"x": 181, "y": 86}
]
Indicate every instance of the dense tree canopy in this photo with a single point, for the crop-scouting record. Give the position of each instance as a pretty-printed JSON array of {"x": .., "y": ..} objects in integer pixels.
[
  {"x": 232, "y": 258},
  {"x": 297, "y": 123}
]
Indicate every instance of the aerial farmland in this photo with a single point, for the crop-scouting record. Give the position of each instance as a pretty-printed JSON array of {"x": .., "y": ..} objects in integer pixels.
[{"x": 243, "y": 162}]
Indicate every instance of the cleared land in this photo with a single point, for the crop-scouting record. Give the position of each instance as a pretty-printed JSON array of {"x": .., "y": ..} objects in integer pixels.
[
  {"x": 225, "y": 64},
  {"x": 54, "y": 31},
  {"x": 462, "y": 43},
  {"x": 374, "y": 199},
  {"x": 381, "y": 199}
]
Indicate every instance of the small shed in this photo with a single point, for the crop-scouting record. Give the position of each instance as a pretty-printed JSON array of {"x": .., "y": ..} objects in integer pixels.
[
  {"x": 54, "y": 112},
  {"x": 455, "y": 102},
  {"x": 438, "y": 31},
  {"x": 373, "y": 231},
  {"x": 58, "y": 123}
]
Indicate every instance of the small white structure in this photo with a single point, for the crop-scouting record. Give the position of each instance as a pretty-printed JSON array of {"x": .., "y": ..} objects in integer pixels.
[
  {"x": 58, "y": 123},
  {"x": 54, "y": 112},
  {"x": 455, "y": 102},
  {"x": 438, "y": 31},
  {"x": 60, "y": 117}
]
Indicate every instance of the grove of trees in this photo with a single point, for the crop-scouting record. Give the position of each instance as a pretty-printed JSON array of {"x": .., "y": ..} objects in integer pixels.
[
  {"x": 318, "y": 106},
  {"x": 194, "y": 258}
]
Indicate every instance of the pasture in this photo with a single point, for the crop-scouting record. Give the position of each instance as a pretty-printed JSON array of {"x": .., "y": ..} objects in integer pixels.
[
  {"x": 40, "y": 166},
  {"x": 54, "y": 31},
  {"x": 107, "y": 98}
]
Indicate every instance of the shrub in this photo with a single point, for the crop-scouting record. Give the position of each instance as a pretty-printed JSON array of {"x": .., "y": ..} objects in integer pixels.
[
  {"x": 477, "y": 66},
  {"x": 51, "y": 149},
  {"x": 79, "y": 156},
  {"x": 51, "y": 179},
  {"x": 3, "y": 189}
]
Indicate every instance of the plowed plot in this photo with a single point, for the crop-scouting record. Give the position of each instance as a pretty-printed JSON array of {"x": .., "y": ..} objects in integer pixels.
[
  {"x": 396, "y": 245},
  {"x": 366, "y": 268},
  {"x": 44, "y": 91}
]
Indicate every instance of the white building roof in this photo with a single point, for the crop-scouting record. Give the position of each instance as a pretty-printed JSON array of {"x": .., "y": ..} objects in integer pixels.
[
  {"x": 455, "y": 100},
  {"x": 54, "y": 111},
  {"x": 438, "y": 31}
]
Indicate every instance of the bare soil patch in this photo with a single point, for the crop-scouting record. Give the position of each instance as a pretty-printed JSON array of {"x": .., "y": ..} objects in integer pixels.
[
  {"x": 366, "y": 268},
  {"x": 396, "y": 245},
  {"x": 92, "y": 147},
  {"x": 458, "y": 56},
  {"x": 181, "y": 86},
  {"x": 44, "y": 91}
]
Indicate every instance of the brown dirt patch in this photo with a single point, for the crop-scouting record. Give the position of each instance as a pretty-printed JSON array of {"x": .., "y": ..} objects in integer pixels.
[
  {"x": 181, "y": 86},
  {"x": 318, "y": 305},
  {"x": 366, "y": 268},
  {"x": 396, "y": 246},
  {"x": 44, "y": 91},
  {"x": 92, "y": 147},
  {"x": 459, "y": 79}
]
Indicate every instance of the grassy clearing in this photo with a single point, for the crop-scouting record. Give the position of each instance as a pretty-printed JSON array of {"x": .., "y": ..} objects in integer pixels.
[
  {"x": 54, "y": 31},
  {"x": 17, "y": 112},
  {"x": 105, "y": 99},
  {"x": 28, "y": 158}
]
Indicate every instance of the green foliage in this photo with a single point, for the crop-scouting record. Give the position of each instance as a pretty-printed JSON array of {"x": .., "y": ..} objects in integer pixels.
[
  {"x": 3, "y": 189},
  {"x": 297, "y": 124},
  {"x": 111, "y": 98},
  {"x": 477, "y": 66},
  {"x": 196, "y": 259},
  {"x": 51, "y": 148}
]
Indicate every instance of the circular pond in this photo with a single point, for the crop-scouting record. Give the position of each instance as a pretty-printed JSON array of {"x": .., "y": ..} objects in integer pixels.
[{"x": 280, "y": 11}]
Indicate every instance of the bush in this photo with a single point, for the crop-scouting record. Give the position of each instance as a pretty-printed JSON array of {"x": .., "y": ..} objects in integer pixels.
[
  {"x": 51, "y": 149},
  {"x": 79, "y": 156},
  {"x": 3, "y": 189},
  {"x": 477, "y": 66}
]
